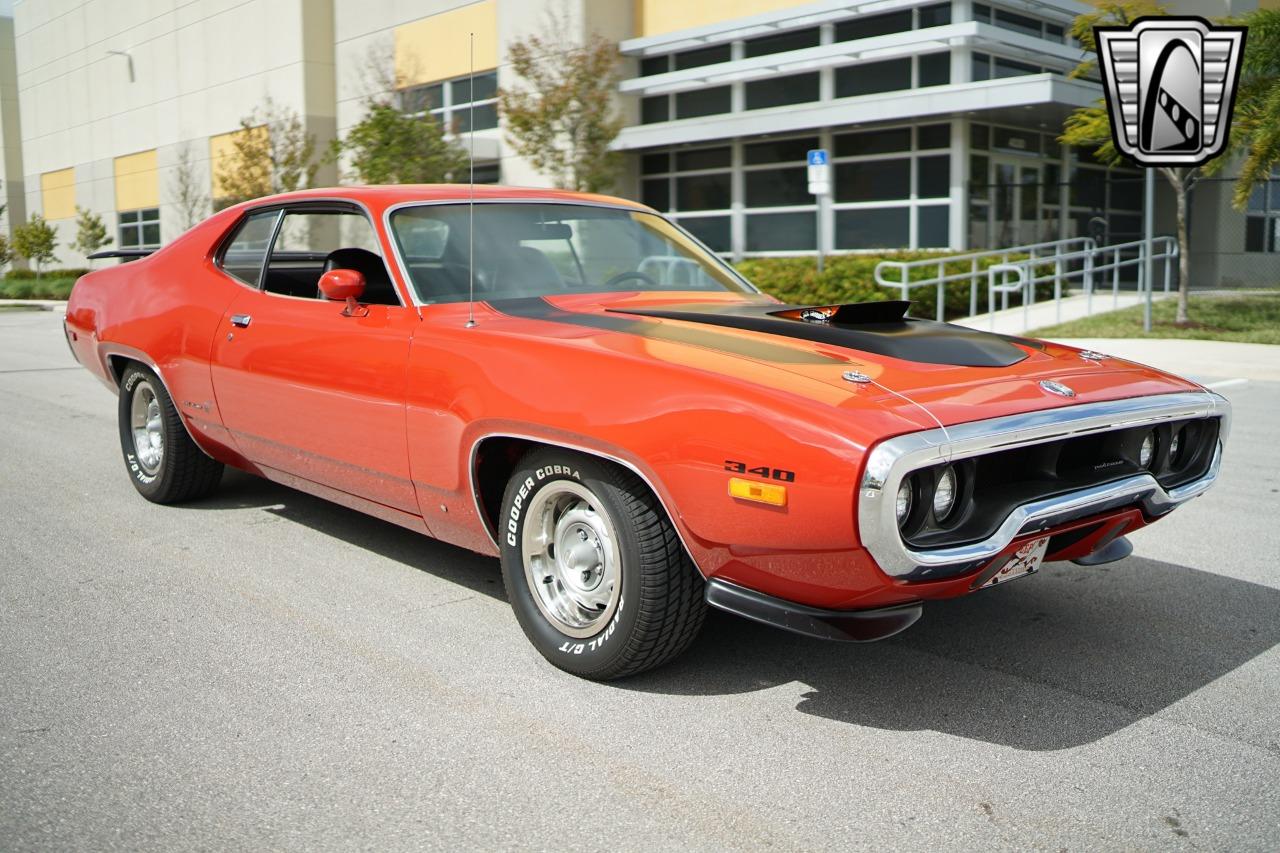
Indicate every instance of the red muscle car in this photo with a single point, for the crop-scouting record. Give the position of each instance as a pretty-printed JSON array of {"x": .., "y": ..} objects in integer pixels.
[{"x": 588, "y": 393}]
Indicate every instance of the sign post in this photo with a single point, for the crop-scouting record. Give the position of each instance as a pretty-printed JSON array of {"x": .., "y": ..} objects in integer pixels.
[{"x": 820, "y": 188}]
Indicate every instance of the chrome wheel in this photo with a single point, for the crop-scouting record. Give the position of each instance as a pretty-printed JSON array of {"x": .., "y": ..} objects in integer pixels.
[
  {"x": 145, "y": 423},
  {"x": 571, "y": 558}
]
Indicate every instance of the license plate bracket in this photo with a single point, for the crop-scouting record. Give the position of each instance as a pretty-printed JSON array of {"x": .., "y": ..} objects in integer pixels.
[{"x": 1022, "y": 562}]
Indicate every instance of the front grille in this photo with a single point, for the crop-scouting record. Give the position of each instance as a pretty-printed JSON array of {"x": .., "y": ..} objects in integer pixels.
[{"x": 994, "y": 484}]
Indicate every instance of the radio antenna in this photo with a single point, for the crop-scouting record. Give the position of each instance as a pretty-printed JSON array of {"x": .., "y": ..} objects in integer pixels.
[{"x": 471, "y": 191}]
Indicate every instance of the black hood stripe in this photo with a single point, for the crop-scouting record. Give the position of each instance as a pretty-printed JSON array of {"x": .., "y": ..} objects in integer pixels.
[
  {"x": 537, "y": 308},
  {"x": 905, "y": 338}
]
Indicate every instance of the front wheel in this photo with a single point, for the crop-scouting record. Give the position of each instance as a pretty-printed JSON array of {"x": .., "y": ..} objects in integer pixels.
[
  {"x": 595, "y": 572},
  {"x": 164, "y": 464}
]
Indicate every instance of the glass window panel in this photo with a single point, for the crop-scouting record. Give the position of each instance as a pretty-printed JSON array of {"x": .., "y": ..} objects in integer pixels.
[
  {"x": 979, "y": 230},
  {"x": 868, "y": 26},
  {"x": 777, "y": 91},
  {"x": 1011, "y": 68},
  {"x": 702, "y": 102},
  {"x": 881, "y": 228},
  {"x": 933, "y": 136},
  {"x": 781, "y": 232},
  {"x": 933, "y": 227},
  {"x": 1126, "y": 191},
  {"x": 777, "y": 187},
  {"x": 712, "y": 230},
  {"x": 656, "y": 192},
  {"x": 128, "y": 236},
  {"x": 933, "y": 177},
  {"x": 779, "y": 151},
  {"x": 487, "y": 173},
  {"x": 702, "y": 56},
  {"x": 1004, "y": 139},
  {"x": 867, "y": 78},
  {"x": 129, "y": 217},
  {"x": 874, "y": 142},
  {"x": 151, "y": 234},
  {"x": 1018, "y": 23},
  {"x": 654, "y": 65},
  {"x": 1088, "y": 188},
  {"x": 797, "y": 40},
  {"x": 1255, "y": 232},
  {"x": 1054, "y": 32},
  {"x": 486, "y": 117},
  {"x": 486, "y": 87},
  {"x": 244, "y": 254},
  {"x": 935, "y": 16},
  {"x": 935, "y": 69},
  {"x": 423, "y": 98},
  {"x": 1052, "y": 183},
  {"x": 655, "y": 163},
  {"x": 876, "y": 180},
  {"x": 703, "y": 192},
  {"x": 654, "y": 109},
  {"x": 978, "y": 136},
  {"x": 982, "y": 12},
  {"x": 981, "y": 66},
  {"x": 978, "y": 178},
  {"x": 703, "y": 158}
]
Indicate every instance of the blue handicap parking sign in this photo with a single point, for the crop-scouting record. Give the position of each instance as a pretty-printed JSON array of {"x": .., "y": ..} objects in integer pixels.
[{"x": 818, "y": 157}]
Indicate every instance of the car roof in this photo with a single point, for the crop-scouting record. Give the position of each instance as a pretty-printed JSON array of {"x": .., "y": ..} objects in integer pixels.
[{"x": 389, "y": 194}]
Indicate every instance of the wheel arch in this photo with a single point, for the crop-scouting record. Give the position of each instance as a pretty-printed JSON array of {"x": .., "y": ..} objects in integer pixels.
[
  {"x": 494, "y": 457},
  {"x": 116, "y": 360}
]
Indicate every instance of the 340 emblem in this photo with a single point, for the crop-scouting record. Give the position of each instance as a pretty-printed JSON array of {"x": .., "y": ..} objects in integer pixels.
[{"x": 760, "y": 471}]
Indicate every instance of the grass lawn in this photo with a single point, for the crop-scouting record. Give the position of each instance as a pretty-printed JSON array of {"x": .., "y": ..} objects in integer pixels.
[
  {"x": 20, "y": 308},
  {"x": 1248, "y": 318}
]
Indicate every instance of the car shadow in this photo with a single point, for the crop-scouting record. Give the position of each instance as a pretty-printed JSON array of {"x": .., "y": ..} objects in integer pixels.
[
  {"x": 475, "y": 572},
  {"x": 1061, "y": 659},
  {"x": 1054, "y": 661}
]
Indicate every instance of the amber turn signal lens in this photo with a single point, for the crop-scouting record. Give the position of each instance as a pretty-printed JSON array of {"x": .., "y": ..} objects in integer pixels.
[{"x": 765, "y": 493}]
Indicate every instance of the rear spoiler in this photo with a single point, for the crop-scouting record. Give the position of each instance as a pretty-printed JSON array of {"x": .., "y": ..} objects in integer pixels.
[{"x": 122, "y": 253}]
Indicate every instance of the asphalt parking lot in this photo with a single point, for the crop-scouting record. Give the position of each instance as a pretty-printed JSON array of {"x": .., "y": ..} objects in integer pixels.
[{"x": 267, "y": 670}]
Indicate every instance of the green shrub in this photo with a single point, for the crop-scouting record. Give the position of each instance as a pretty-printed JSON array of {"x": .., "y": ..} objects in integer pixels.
[
  {"x": 72, "y": 272},
  {"x": 851, "y": 278},
  {"x": 31, "y": 288}
]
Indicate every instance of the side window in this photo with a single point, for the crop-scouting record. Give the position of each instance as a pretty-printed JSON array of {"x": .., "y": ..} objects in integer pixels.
[
  {"x": 245, "y": 253},
  {"x": 311, "y": 242}
]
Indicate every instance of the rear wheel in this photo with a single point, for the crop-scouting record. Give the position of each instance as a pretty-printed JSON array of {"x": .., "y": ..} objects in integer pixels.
[
  {"x": 164, "y": 464},
  {"x": 595, "y": 572}
]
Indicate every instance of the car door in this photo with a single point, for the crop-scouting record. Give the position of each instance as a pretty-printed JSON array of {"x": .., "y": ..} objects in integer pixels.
[{"x": 304, "y": 385}]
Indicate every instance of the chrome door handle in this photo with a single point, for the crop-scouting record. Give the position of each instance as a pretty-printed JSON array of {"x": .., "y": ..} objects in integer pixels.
[{"x": 241, "y": 320}]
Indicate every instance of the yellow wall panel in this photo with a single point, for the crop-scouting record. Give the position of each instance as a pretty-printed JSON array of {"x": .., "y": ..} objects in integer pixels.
[
  {"x": 655, "y": 17},
  {"x": 221, "y": 149},
  {"x": 58, "y": 194},
  {"x": 137, "y": 181},
  {"x": 437, "y": 48}
]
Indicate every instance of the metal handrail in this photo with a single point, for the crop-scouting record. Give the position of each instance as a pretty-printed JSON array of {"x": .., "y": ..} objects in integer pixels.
[
  {"x": 1037, "y": 252},
  {"x": 1025, "y": 278}
]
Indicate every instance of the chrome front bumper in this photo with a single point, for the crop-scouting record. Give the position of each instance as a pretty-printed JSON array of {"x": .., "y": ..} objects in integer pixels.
[{"x": 891, "y": 460}]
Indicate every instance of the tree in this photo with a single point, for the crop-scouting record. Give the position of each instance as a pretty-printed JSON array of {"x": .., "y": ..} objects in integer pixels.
[
  {"x": 1090, "y": 127},
  {"x": 187, "y": 190},
  {"x": 271, "y": 153},
  {"x": 6, "y": 251},
  {"x": 91, "y": 234},
  {"x": 1255, "y": 130},
  {"x": 563, "y": 119},
  {"x": 36, "y": 241},
  {"x": 389, "y": 147}
]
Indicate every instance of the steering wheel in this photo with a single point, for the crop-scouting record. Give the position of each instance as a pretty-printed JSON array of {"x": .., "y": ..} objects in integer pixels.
[{"x": 627, "y": 276}]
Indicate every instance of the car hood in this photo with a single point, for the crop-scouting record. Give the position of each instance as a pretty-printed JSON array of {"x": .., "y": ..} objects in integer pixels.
[{"x": 928, "y": 372}]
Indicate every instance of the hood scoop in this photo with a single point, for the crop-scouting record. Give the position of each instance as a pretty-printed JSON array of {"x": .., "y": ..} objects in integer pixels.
[{"x": 879, "y": 328}]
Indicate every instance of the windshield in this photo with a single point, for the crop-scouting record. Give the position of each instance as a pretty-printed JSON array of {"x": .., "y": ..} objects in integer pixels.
[{"x": 545, "y": 249}]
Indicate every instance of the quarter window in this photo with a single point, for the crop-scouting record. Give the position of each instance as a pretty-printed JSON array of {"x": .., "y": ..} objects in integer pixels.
[{"x": 243, "y": 256}]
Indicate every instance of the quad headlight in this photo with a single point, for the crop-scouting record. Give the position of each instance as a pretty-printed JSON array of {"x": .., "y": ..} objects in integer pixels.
[
  {"x": 1148, "y": 450},
  {"x": 903, "y": 504},
  {"x": 944, "y": 494}
]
